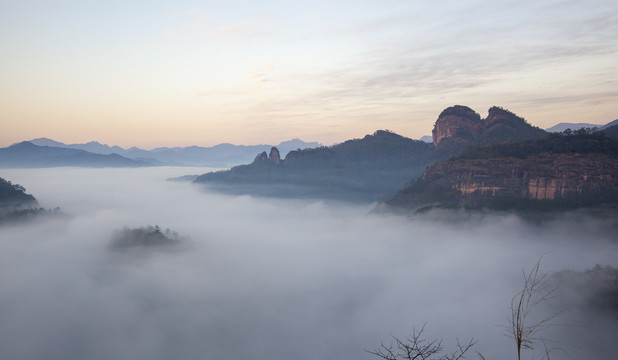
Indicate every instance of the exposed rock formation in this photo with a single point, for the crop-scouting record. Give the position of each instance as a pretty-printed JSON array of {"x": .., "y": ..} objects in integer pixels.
[
  {"x": 274, "y": 155},
  {"x": 261, "y": 157},
  {"x": 547, "y": 178},
  {"x": 457, "y": 122},
  {"x": 459, "y": 126}
]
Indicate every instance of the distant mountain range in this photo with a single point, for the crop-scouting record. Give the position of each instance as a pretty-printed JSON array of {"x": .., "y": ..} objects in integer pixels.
[
  {"x": 27, "y": 155},
  {"x": 576, "y": 126},
  {"x": 44, "y": 152}
]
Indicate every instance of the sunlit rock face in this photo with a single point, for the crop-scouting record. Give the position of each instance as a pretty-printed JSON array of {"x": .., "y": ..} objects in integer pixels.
[
  {"x": 553, "y": 176},
  {"x": 459, "y": 126},
  {"x": 458, "y": 123},
  {"x": 557, "y": 176}
]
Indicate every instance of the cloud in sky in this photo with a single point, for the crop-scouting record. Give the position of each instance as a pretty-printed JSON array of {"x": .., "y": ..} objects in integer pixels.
[{"x": 351, "y": 64}]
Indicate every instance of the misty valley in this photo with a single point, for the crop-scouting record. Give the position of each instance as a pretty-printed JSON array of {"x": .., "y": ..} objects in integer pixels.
[{"x": 133, "y": 266}]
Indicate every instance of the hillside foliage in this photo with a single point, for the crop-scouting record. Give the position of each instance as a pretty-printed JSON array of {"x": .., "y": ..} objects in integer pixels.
[{"x": 583, "y": 141}]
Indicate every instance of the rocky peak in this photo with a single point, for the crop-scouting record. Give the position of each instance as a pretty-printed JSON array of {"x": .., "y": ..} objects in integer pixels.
[
  {"x": 274, "y": 155},
  {"x": 458, "y": 122},
  {"x": 261, "y": 157},
  {"x": 462, "y": 126}
]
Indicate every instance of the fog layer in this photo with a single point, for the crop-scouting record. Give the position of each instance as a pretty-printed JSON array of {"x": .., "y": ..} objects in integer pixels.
[{"x": 260, "y": 278}]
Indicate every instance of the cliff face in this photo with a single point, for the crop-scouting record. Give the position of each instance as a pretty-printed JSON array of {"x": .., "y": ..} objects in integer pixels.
[
  {"x": 457, "y": 123},
  {"x": 550, "y": 177},
  {"x": 556, "y": 168}
]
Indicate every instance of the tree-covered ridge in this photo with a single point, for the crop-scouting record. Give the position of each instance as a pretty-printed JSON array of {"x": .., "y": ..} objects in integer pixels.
[
  {"x": 503, "y": 125},
  {"x": 13, "y": 194},
  {"x": 24, "y": 215},
  {"x": 380, "y": 149},
  {"x": 18, "y": 206},
  {"x": 461, "y": 110},
  {"x": 583, "y": 141},
  {"x": 360, "y": 169}
]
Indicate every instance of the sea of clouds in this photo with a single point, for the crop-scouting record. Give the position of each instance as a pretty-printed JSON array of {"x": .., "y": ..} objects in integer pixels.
[{"x": 269, "y": 278}]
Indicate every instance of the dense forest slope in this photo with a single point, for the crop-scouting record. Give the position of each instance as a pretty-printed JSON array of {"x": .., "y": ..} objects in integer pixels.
[
  {"x": 18, "y": 206},
  {"x": 374, "y": 167},
  {"x": 564, "y": 170}
]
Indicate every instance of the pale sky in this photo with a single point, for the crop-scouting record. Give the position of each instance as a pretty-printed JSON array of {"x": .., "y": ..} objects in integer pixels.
[{"x": 176, "y": 73}]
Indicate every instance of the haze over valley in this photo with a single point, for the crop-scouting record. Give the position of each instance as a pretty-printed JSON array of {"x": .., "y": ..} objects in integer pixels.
[{"x": 272, "y": 278}]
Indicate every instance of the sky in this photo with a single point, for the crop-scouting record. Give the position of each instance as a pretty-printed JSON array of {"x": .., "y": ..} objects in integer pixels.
[{"x": 179, "y": 73}]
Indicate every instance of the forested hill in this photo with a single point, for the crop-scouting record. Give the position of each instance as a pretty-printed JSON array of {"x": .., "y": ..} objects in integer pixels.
[
  {"x": 17, "y": 206},
  {"x": 582, "y": 141},
  {"x": 364, "y": 169},
  {"x": 381, "y": 150},
  {"x": 14, "y": 196}
]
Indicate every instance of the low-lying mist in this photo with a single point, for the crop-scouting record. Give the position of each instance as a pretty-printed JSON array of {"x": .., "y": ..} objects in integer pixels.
[{"x": 269, "y": 279}]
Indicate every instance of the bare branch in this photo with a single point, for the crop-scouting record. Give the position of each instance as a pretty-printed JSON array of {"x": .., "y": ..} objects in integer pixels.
[
  {"x": 535, "y": 291},
  {"x": 415, "y": 347}
]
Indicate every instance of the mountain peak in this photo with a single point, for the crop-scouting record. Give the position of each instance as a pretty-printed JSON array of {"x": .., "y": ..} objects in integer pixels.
[
  {"x": 43, "y": 141},
  {"x": 457, "y": 123},
  {"x": 274, "y": 155},
  {"x": 462, "y": 111},
  {"x": 461, "y": 126},
  {"x": 23, "y": 144},
  {"x": 497, "y": 113}
]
